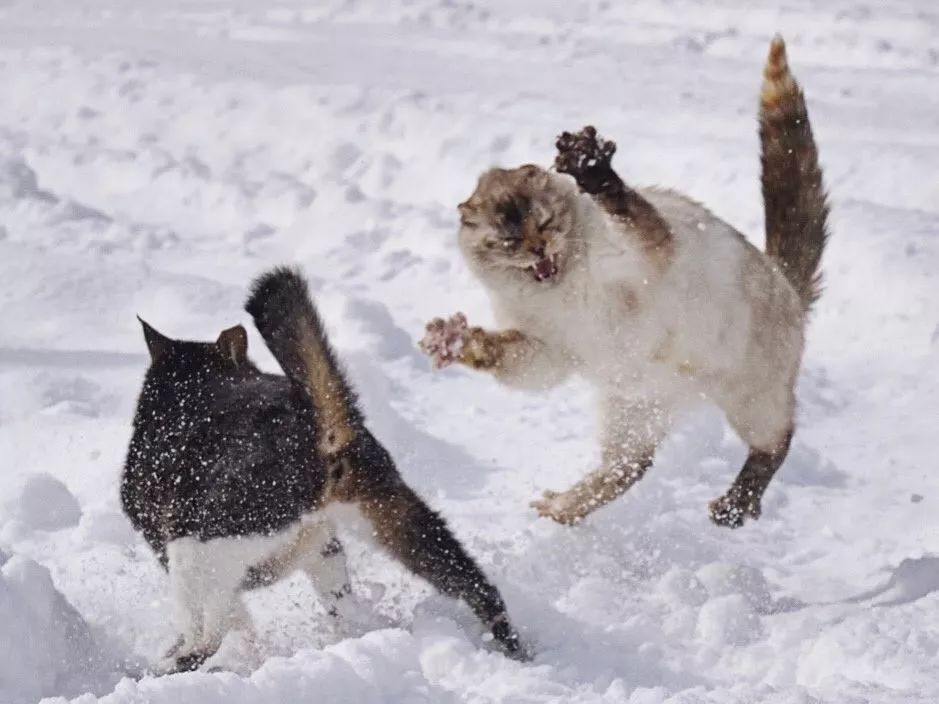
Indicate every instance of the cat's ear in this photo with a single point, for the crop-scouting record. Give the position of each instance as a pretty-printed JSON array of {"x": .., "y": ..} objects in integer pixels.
[
  {"x": 468, "y": 211},
  {"x": 233, "y": 344},
  {"x": 535, "y": 175},
  {"x": 158, "y": 344}
]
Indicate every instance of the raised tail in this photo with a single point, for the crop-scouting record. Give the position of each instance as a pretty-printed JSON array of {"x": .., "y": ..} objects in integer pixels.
[
  {"x": 285, "y": 316},
  {"x": 794, "y": 197}
]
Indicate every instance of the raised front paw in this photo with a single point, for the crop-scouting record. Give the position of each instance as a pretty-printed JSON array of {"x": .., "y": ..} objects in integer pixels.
[
  {"x": 733, "y": 509},
  {"x": 587, "y": 157},
  {"x": 444, "y": 339},
  {"x": 560, "y": 507}
]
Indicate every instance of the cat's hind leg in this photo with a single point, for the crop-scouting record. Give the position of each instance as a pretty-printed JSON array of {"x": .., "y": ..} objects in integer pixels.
[
  {"x": 743, "y": 499},
  {"x": 765, "y": 422},
  {"x": 421, "y": 540},
  {"x": 324, "y": 562},
  {"x": 632, "y": 430}
]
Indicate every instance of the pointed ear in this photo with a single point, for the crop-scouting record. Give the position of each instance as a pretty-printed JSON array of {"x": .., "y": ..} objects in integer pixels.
[
  {"x": 467, "y": 210},
  {"x": 233, "y": 344},
  {"x": 158, "y": 344},
  {"x": 535, "y": 174}
]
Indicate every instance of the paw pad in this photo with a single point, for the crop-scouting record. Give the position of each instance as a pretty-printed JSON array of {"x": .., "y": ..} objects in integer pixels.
[
  {"x": 443, "y": 340},
  {"x": 587, "y": 157}
]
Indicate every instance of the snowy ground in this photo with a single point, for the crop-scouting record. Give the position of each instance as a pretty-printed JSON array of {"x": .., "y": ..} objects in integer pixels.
[{"x": 155, "y": 156}]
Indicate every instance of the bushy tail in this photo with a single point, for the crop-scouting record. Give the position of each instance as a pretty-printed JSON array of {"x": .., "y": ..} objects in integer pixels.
[
  {"x": 285, "y": 316},
  {"x": 793, "y": 195}
]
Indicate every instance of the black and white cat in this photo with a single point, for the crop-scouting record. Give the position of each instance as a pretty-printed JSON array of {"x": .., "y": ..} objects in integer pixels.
[{"x": 230, "y": 473}]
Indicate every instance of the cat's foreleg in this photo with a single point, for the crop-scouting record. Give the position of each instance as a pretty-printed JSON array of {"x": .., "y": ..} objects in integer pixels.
[
  {"x": 588, "y": 158},
  {"x": 205, "y": 582},
  {"x": 514, "y": 358},
  {"x": 187, "y": 593}
]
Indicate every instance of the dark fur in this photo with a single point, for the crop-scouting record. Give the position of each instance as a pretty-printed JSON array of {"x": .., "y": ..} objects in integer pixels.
[
  {"x": 362, "y": 471},
  {"x": 796, "y": 207},
  {"x": 285, "y": 316},
  {"x": 218, "y": 448},
  {"x": 589, "y": 159},
  {"x": 743, "y": 500},
  {"x": 221, "y": 449}
]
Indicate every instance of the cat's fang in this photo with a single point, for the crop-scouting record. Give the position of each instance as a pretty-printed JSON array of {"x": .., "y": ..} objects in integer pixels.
[{"x": 544, "y": 269}]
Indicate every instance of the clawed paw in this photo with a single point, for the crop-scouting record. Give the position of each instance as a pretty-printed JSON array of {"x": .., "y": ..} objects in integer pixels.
[
  {"x": 443, "y": 340},
  {"x": 587, "y": 157},
  {"x": 732, "y": 510},
  {"x": 559, "y": 507}
]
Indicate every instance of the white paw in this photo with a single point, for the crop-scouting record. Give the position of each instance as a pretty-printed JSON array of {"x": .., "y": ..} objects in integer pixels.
[
  {"x": 356, "y": 617},
  {"x": 238, "y": 653}
]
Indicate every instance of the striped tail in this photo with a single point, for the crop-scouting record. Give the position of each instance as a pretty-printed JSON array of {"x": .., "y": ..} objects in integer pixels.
[
  {"x": 284, "y": 314},
  {"x": 794, "y": 198}
]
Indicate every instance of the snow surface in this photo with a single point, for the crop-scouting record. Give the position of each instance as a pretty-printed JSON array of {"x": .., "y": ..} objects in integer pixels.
[{"x": 155, "y": 156}]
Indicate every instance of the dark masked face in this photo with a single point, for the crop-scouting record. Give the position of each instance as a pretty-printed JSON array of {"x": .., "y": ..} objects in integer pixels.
[{"x": 518, "y": 220}]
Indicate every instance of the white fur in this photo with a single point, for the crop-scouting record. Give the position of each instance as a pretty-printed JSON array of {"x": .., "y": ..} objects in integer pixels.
[
  {"x": 205, "y": 579},
  {"x": 715, "y": 319}
]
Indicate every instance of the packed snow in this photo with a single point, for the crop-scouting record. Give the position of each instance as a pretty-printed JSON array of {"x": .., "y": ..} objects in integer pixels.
[{"x": 156, "y": 156}]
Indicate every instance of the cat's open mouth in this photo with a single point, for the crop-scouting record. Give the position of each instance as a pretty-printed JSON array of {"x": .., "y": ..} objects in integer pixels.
[{"x": 545, "y": 268}]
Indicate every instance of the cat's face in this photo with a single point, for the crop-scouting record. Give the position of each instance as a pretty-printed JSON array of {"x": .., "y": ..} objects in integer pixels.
[{"x": 519, "y": 221}]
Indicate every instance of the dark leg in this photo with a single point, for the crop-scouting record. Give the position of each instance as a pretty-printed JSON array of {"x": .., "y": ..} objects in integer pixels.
[
  {"x": 588, "y": 158},
  {"x": 192, "y": 661},
  {"x": 421, "y": 540},
  {"x": 742, "y": 500}
]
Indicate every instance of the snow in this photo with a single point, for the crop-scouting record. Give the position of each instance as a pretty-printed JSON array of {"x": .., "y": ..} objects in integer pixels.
[
  {"x": 45, "y": 503},
  {"x": 46, "y": 645},
  {"x": 156, "y": 156}
]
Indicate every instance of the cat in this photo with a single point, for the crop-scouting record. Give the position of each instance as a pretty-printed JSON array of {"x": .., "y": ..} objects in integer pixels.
[
  {"x": 650, "y": 297},
  {"x": 231, "y": 473}
]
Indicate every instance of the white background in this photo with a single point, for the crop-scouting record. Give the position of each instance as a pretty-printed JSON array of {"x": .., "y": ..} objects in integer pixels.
[{"x": 156, "y": 156}]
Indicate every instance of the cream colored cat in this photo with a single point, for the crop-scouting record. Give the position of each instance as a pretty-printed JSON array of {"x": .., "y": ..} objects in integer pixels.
[{"x": 651, "y": 297}]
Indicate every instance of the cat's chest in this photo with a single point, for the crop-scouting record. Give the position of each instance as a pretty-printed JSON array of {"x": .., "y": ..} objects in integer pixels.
[{"x": 601, "y": 328}]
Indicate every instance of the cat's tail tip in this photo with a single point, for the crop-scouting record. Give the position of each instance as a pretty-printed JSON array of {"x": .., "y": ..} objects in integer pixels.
[{"x": 287, "y": 319}]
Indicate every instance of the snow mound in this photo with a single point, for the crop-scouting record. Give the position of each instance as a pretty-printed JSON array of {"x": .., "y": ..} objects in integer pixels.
[
  {"x": 105, "y": 526},
  {"x": 48, "y": 648},
  {"x": 45, "y": 503}
]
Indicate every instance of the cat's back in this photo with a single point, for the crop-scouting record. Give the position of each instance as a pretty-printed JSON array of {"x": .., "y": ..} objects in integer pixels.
[{"x": 223, "y": 455}]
